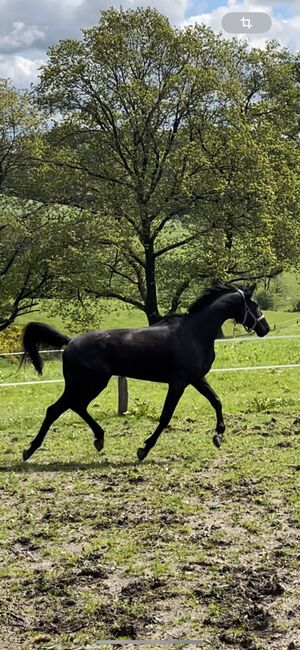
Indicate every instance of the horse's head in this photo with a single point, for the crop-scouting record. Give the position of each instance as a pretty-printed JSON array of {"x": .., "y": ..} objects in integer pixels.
[{"x": 250, "y": 314}]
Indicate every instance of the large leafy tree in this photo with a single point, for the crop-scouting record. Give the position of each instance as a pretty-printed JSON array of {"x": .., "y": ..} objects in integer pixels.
[
  {"x": 25, "y": 272},
  {"x": 174, "y": 145}
]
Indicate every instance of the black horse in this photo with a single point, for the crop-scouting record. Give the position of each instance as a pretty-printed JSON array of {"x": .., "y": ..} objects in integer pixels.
[{"x": 179, "y": 350}]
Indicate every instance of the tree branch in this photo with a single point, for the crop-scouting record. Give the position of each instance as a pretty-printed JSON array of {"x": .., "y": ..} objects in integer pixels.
[
  {"x": 177, "y": 295},
  {"x": 171, "y": 247},
  {"x": 107, "y": 293}
]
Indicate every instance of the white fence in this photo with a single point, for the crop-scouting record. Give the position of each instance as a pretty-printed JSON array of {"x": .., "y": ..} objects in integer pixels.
[{"x": 248, "y": 339}]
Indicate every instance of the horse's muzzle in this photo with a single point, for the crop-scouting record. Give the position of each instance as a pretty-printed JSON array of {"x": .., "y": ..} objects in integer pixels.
[{"x": 262, "y": 328}]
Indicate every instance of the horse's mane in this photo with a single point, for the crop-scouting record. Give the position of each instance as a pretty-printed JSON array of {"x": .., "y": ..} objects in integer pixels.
[
  {"x": 169, "y": 319},
  {"x": 209, "y": 296}
]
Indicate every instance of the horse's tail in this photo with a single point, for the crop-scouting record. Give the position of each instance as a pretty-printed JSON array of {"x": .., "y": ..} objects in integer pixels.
[{"x": 36, "y": 334}]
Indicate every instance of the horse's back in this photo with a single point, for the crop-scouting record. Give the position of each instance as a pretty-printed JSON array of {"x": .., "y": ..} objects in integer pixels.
[{"x": 144, "y": 353}]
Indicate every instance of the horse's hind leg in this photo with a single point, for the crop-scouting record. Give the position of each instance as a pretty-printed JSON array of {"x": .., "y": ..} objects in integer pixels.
[
  {"x": 53, "y": 412},
  {"x": 173, "y": 396},
  {"x": 97, "y": 430},
  {"x": 83, "y": 396}
]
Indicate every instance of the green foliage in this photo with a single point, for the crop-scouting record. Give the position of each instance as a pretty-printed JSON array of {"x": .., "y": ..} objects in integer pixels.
[
  {"x": 296, "y": 306},
  {"x": 10, "y": 339},
  {"x": 20, "y": 122},
  {"x": 24, "y": 232},
  {"x": 267, "y": 404},
  {"x": 179, "y": 146},
  {"x": 264, "y": 299},
  {"x": 34, "y": 241}
]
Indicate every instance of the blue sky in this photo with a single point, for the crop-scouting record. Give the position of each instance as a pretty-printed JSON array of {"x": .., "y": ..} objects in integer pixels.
[
  {"x": 280, "y": 10},
  {"x": 28, "y": 27},
  {"x": 197, "y": 6}
]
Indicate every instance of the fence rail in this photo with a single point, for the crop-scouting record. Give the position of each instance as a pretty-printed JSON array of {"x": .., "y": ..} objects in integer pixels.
[
  {"x": 283, "y": 366},
  {"x": 122, "y": 382}
]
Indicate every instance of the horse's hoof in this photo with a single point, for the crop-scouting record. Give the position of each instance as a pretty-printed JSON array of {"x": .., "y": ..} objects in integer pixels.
[
  {"x": 99, "y": 443},
  {"x": 217, "y": 440},
  {"x": 141, "y": 453},
  {"x": 26, "y": 454}
]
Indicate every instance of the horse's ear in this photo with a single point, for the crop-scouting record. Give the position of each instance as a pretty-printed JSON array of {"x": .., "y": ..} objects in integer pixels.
[{"x": 250, "y": 289}]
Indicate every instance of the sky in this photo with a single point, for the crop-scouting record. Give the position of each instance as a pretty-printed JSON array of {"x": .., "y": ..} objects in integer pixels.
[{"x": 29, "y": 27}]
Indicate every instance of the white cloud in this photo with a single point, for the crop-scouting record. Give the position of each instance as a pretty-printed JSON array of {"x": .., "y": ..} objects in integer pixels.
[
  {"x": 56, "y": 19},
  {"x": 292, "y": 5},
  {"x": 286, "y": 31},
  {"x": 20, "y": 37},
  {"x": 28, "y": 27},
  {"x": 20, "y": 70}
]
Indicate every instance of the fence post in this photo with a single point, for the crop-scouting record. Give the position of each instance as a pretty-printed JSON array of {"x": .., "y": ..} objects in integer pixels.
[{"x": 122, "y": 395}]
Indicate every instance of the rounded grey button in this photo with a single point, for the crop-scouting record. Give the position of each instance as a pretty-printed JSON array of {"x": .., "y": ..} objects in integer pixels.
[{"x": 247, "y": 22}]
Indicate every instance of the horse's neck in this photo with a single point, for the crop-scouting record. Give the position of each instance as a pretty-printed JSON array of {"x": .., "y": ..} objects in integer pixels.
[{"x": 208, "y": 322}]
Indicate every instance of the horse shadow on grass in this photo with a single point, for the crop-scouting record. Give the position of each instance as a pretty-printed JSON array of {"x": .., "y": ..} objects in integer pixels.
[{"x": 72, "y": 466}]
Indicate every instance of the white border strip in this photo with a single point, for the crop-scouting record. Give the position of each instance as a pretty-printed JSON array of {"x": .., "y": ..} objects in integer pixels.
[
  {"x": 246, "y": 368},
  {"x": 236, "y": 369},
  {"x": 18, "y": 354},
  {"x": 257, "y": 339},
  {"x": 31, "y": 383}
]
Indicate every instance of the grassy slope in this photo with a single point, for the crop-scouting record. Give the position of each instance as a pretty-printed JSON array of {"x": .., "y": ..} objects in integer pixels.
[
  {"x": 118, "y": 316},
  {"x": 289, "y": 290},
  {"x": 282, "y": 323},
  {"x": 121, "y": 316},
  {"x": 194, "y": 543}
]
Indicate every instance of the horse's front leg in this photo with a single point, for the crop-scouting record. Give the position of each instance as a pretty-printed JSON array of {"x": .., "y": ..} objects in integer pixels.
[
  {"x": 173, "y": 396},
  {"x": 206, "y": 390}
]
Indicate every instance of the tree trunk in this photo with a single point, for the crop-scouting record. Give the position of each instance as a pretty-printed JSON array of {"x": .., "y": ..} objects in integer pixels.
[{"x": 151, "y": 306}]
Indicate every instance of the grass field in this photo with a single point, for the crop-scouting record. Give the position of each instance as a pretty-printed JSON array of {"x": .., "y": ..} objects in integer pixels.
[
  {"x": 194, "y": 543},
  {"x": 288, "y": 290}
]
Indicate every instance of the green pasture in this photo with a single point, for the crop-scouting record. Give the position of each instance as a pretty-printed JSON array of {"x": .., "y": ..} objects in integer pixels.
[
  {"x": 194, "y": 543},
  {"x": 281, "y": 322},
  {"x": 288, "y": 290},
  {"x": 112, "y": 313}
]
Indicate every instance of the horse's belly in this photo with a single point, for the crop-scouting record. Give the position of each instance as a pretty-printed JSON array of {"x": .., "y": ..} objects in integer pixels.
[{"x": 149, "y": 369}]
